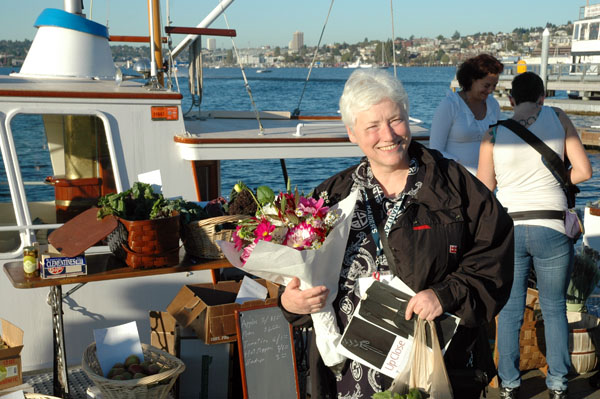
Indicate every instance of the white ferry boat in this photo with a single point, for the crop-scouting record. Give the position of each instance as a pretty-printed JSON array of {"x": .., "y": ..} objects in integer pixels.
[{"x": 585, "y": 44}]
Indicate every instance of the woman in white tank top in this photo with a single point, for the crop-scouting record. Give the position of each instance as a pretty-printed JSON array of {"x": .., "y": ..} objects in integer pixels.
[{"x": 525, "y": 184}]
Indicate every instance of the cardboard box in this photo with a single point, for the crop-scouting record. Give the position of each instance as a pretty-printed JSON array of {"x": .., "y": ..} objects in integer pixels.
[
  {"x": 209, "y": 309},
  {"x": 164, "y": 332},
  {"x": 11, "y": 373},
  {"x": 54, "y": 265}
]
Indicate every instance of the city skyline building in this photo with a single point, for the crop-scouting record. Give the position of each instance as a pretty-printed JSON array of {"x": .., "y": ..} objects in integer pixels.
[
  {"x": 297, "y": 41},
  {"x": 211, "y": 43}
]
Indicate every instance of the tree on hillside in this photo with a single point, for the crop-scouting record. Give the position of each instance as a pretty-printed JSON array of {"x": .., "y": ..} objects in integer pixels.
[
  {"x": 348, "y": 57},
  {"x": 456, "y": 35},
  {"x": 439, "y": 54},
  {"x": 440, "y": 37},
  {"x": 570, "y": 28}
]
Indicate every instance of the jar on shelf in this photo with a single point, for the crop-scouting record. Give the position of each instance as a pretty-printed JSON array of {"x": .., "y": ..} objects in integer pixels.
[{"x": 30, "y": 262}]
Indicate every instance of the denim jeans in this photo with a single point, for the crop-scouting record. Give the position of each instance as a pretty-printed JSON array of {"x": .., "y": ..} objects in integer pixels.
[{"x": 551, "y": 254}]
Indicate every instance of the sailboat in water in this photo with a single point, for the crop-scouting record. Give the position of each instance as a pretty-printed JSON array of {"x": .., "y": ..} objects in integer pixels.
[{"x": 358, "y": 64}]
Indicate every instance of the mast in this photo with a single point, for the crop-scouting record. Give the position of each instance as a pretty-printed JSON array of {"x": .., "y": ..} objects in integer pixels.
[
  {"x": 74, "y": 6},
  {"x": 155, "y": 40}
]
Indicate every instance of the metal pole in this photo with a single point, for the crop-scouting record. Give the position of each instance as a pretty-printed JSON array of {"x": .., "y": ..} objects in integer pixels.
[
  {"x": 544, "y": 59},
  {"x": 152, "y": 42},
  {"x": 74, "y": 6},
  {"x": 204, "y": 24}
]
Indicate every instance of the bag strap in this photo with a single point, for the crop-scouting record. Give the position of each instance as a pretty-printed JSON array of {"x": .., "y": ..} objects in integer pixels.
[{"x": 551, "y": 158}]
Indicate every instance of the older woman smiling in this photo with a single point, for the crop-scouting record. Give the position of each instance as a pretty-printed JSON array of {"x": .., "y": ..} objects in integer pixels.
[{"x": 420, "y": 217}]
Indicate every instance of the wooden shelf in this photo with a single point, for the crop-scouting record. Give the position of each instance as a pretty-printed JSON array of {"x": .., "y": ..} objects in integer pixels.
[{"x": 107, "y": 267}]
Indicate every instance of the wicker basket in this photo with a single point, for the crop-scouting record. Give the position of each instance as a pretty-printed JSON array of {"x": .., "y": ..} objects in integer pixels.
[
  {"x": 146, "y": 243},
  {"x": 531, "y": 338},
  {"x": 200, "y": 237},
  {"x": 583, "y": 328},
  {"x": 532, "y": 341},
  {"x": 155, "y": 386}
]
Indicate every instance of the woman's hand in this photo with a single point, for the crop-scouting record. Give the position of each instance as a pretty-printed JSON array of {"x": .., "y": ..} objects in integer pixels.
[
  {"x": 298, "y": 301},
  {"x": 425, "y": 304}
]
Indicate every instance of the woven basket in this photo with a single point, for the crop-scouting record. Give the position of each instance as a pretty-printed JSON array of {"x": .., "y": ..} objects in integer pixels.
[
  {"x": 532, "y": 341},
  {"x": 155, "y": 386},
  {"x": 146, "y": 243},
  {"x": 583, "y": 327},
  {"x": 531, "y": 338},
  {"x": 200, "y": 237}
]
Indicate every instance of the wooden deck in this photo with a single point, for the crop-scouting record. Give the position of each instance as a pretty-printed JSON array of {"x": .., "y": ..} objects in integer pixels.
[{"x": 590, "y": 137}]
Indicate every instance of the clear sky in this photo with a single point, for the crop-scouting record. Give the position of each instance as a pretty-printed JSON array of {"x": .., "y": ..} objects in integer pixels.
[{"x": 272, "y": 22}]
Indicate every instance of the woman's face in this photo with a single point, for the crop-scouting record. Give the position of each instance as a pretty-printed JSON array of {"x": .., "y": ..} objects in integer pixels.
[
  {"x": 482, "y": 88},
  {"x": 383, "y": 134}
]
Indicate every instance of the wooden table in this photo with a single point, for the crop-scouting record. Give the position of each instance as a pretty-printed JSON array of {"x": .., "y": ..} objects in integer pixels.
[{"x": 101, "y": 267}]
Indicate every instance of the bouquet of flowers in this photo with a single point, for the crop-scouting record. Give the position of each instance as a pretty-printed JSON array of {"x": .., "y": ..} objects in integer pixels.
[
  {"x": 288, "y": 219},
  {"x": 296, "y": 236}
]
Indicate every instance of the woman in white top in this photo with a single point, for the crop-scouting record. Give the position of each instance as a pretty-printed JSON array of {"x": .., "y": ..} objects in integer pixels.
[
  {"x": 526, "y": 184},
  {"x": 462, "y": 118}
]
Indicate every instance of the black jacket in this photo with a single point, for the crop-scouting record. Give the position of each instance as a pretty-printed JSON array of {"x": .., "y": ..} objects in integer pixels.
[{"x": 454, "y": 238}]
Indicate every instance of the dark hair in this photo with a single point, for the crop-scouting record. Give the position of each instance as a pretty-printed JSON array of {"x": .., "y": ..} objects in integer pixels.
[
  {"x": 477, "y": 68},
  {"x": 527, "y": 87}
]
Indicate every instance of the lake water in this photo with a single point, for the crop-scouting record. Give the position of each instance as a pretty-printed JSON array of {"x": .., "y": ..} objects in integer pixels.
[{"x": 280, "y": 90}]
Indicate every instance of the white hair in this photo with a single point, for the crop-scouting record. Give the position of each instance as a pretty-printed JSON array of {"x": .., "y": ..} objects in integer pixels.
[{"x": 368, "y": 87}]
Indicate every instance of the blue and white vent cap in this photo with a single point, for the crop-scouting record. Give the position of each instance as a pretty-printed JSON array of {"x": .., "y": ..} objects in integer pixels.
[{"x": 63, "y": 19}]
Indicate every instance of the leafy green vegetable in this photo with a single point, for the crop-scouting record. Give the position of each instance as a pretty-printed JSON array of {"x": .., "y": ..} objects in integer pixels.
[
  {"x": 264, "y": 195},
  {"x": 413, "y": 393},
  {"x": 140, "y": 202}
]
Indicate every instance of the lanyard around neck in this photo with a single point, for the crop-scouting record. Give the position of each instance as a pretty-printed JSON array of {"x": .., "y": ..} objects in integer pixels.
[{"x": 381, "y": 226}]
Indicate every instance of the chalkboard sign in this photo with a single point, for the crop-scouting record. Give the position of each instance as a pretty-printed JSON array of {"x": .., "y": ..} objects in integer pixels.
[{"x": 267, "y": 358}]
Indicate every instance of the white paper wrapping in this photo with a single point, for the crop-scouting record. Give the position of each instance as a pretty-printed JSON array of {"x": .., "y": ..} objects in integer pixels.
[{"x": 314, "y": 267}]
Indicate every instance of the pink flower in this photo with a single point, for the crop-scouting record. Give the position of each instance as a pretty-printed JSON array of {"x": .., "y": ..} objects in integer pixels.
[
  {"x": 313, "y": 207},
  {"x": 302, "y": 236},
  {"x": 239, "y": 243},
  {"x": 246, "y": 252},
  {"x": 263, "y": 231}
]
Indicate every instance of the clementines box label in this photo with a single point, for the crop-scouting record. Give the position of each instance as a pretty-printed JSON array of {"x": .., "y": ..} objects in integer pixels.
[{"x": 54, "y": 266}]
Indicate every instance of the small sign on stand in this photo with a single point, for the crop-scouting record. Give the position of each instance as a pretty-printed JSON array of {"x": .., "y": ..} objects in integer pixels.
[{"x": 267, "y": 356}]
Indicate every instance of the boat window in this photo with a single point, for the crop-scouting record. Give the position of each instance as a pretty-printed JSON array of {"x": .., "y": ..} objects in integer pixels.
[
  {"x": 64, "y": 165},
  {"x": 582, "y": 31},
  {"x": 576, "y": 32},
  {"x": 594, "y": 31}
]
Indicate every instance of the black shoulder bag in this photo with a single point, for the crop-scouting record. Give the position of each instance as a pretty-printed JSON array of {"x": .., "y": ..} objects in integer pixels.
[{"x": 558, "y": 168}]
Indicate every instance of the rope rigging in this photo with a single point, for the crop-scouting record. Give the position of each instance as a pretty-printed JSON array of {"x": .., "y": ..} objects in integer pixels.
[
  {"x": 246, "y": 84},
  {"x": 297, "y": 110},
  {"x": 393, "y": 38}
]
